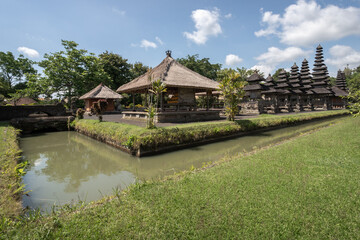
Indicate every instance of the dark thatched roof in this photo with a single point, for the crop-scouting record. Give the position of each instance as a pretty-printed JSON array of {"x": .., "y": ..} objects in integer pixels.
[
  {"x": 23, "y": 101},
  {"x": 338, "y": 92},
  {"x": 253, "y": 87},
  {"x": 172, "y": 74},
  {"x": 101, "y": 92},
  {"x": 255, "y": 77}
]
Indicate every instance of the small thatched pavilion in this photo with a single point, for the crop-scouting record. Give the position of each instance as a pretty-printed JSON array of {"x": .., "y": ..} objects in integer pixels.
[
  {"x": 178, "y": 103},
  {"x": 101, "y": 92}
]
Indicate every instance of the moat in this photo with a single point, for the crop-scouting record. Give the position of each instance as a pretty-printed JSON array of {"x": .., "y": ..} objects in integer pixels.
[{"x": 66, "y": 167}]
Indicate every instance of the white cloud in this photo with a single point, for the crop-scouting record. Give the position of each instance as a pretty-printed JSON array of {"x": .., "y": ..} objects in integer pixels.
[
  {"x": 306, "y": 23},
  {"x": 206, "y": 24},
  {"x": 232, "y": 60},
  {"x": 342, "y": 55},
  {"x": 146, "y": 44},
  {"x": 159, "y": 40},
  {"x": 266, "y": 69},
  {"x": 274, "y": 56},
  {"x": 28, "y": 52},
  {"x": 227, "y": 16},
  {"x": 119, "y": 12}
]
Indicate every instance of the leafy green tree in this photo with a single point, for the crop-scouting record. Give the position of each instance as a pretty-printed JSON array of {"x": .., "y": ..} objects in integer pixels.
[
  {"x": 118, "y": 69},
  {"x": 138, "y": 69},
  {"x": 353, "y": 82},
  {"x": 157, "y": 88},
  {"x": 73, "y": 72},
  {"x": 245, "y": 73},
  {"x": 201, "y": 66},
  {"x": 37, "y": 85},
  {"x": 13, "y": 71},
  {"x": 232, "y": 88}
]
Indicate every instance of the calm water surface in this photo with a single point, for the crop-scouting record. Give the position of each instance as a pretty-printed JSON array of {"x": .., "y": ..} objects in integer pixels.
[{"x": 66, "y": 166}]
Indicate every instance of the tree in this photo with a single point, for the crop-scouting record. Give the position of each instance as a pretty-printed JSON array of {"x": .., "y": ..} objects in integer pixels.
[
  {"x": 201, "y": 66},
  {"x": 118, "y": 69},
  {"x": 73, "y": 72},
  {"x": 138, "y": 69},
  {"x": 13, "y": 71},
  {"x": 37, "y": 85},
  {"x": 353, "y": 82},
  {"x": 157, "y": 88},
  {"x": 232, "y": 88}
]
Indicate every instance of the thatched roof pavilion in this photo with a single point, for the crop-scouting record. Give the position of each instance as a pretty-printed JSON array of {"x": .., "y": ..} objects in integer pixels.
[
  {"x": 100, "y": 92},
  {"x": 174, "y": 75},
  {"x": 181, "y": 84}
]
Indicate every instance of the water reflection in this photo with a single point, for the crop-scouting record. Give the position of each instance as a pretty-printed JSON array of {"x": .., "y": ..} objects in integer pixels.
[{"x": 67, "y": 166}]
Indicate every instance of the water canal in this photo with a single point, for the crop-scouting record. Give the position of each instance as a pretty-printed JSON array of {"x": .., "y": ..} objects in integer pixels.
[{"x": 65, "y": 167}]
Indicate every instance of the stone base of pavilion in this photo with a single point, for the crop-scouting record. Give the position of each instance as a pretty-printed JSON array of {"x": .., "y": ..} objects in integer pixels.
[{"x": 175, "y": 116}]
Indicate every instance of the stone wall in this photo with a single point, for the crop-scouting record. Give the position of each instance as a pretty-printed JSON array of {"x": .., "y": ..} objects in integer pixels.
[{"x": 10, "y": 112}]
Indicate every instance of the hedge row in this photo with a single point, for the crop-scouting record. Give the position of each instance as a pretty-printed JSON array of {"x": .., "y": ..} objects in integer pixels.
[{"x": 134, "y": 138}]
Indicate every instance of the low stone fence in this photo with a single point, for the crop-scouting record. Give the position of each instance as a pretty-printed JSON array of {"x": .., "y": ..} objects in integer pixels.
[{"x": 10, "y": 112}]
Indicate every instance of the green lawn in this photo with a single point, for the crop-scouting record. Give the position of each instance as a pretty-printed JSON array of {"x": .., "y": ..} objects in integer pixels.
[
  {"x": 305, "y": 188},
  {"x": 10, "y": 172}
]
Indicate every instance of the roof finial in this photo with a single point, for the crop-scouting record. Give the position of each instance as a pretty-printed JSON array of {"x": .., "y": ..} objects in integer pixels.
[{"x": 168, "y": 53}]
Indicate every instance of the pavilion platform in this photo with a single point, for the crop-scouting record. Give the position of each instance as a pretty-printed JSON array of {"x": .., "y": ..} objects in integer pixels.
[{"x": 175, "y": 116}]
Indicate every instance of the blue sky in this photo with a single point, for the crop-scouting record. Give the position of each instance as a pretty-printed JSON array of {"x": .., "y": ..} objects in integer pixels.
[{"x": 254, "y": 34}]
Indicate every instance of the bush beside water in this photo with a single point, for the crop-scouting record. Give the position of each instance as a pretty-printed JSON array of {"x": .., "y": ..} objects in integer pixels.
[
  {"x": 135, "y": 138},
  {"x": 11, "y": 171}
]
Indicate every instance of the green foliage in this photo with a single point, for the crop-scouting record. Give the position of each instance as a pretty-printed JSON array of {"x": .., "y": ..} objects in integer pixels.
[
  {"x": 157, "y": 88},
  {"x": 151, "y": 112},
  {"x": 151, "y": 139},
  {"x": 11, "y": 172},
  {"x": 201, "y": 66},
  {"x": 98, "y": 108},
  {"x": 117, "y": 68},
  {"x": 13, "y": 70},
  {"x": 73, "y": 72},
  {"x": 138, "y": 69},
  {"x": 353, "y": 81},
  {"x": 231, "y": 86},
  {"x": 80, "y": 113}
]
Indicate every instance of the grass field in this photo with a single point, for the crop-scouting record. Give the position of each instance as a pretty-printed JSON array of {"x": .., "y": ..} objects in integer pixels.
[
  {"x": 305, "y": 188},
  {"x": 10, "y": 172}
]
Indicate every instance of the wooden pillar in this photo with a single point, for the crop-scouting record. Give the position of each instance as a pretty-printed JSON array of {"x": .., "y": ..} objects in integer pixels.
[
  {"x": 207, "y": 100},
  {"x": 161, "y": 102},
  {"x": 133, "y": 97},
  {"x": 146, "y": 100}
]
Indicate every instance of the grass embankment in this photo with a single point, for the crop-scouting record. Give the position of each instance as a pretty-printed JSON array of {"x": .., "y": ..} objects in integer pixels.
[
  {"x": 136, "y": 138},
  {"x": 10, "y": 173},
  {"x": 305, "y": 188}
]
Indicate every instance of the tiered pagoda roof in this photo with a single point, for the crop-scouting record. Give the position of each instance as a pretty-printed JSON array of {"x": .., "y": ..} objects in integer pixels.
[
  {"x": 282, "y": 83},
  {"x": 270, "y": 84},
  {"x": 341, "y": 80},
  {"x": 320, "y": 74},
  {"x": 340, "y": 89},
  {"x": 255, "y": 83},
  {"x": 305, "y": 77},
  {"x": 294, "y": 79}
]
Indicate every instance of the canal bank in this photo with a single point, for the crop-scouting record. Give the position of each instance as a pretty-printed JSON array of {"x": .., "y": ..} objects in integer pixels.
[
  {"x": 67, "y": 167},
  {"x": 143, "y": 142}
]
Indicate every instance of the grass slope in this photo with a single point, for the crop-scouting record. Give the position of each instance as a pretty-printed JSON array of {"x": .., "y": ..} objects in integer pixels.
[
  {"x": 306, "y": 188},
  {"x": 10, "y": 172}
]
